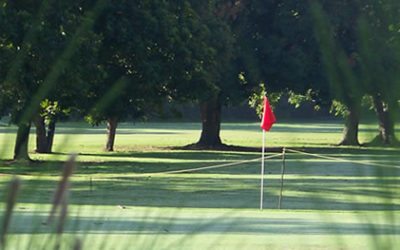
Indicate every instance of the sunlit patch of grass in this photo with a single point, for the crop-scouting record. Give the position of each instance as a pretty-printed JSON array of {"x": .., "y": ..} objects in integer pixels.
[{"x": 142, "y": 137}]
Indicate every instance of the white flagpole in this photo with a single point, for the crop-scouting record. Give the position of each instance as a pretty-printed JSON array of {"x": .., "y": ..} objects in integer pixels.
[{"x": 262, "y": 171}]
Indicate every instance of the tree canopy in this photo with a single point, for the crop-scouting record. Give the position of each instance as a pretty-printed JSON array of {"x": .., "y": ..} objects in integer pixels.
[{"x": 114, "y": 60}]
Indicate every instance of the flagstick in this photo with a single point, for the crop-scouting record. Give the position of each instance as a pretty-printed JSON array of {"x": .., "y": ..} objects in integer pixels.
[{"x": 262, "y": 172}]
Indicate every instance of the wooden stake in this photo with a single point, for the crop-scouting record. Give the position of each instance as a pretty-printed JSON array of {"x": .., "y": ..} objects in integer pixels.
[{"x": 282, "y": 176}]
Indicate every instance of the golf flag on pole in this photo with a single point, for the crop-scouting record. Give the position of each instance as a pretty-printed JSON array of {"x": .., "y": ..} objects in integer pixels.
[{"x": 268, "y": 118}]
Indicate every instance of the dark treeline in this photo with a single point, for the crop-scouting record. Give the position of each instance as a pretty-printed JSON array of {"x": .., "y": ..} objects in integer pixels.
[{"x": 109, "y": 61}]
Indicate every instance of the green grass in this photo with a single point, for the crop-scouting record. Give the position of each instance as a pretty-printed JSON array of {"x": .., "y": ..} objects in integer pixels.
[
  {"x": 142, "y": 136},
  {"x": 116, "y": 203}
]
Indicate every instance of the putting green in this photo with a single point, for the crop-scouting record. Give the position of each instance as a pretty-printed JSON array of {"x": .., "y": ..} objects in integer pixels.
[{"x": 115, "y": 227}]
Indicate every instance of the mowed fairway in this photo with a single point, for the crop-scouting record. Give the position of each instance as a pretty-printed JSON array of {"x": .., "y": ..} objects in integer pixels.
[{"x": 350, "y": 200}]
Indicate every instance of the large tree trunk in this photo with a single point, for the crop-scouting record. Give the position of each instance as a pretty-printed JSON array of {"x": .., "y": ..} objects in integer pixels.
[
  {"x": 21, "y": 143},
  {"x": 210, "y": 112},
  {"x": 51, "y": 130},
  {"x": 44, "y": 136},
  {"x": 386, "y": 122},
  {"x": 350, "y": 131},
  {"x": 112, "y": 124},
  {"x": 41, "y": 139}
]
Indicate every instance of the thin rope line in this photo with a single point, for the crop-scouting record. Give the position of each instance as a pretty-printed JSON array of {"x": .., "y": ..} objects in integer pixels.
[
  {"x": 208, "y": 167},
  {"x": 344, "y": 160},
  {"x": 197, "y": 169}
]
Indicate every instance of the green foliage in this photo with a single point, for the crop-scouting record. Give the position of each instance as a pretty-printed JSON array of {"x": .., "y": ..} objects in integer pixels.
[
  {"x": 296, "y": 99},
  {"x": 256, "y": 100},
  {"x": 168, "y": 52},
  {"x": 359, "y": 47},
  {"x": 42, "y": 39},
  {"x": 201, "y": 57},
  {"x": 52, "y": 110},
  {"x": 277, "y": 46},
  {"x": 339, "y": 108},
  {"x": 191, "y": 51},
  {"x": 368, "y": 102}
]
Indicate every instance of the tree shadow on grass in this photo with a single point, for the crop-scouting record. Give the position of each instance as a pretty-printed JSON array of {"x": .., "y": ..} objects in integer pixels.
[
  {"x": 179, "y": 155},
  {"x": 154, "y": 162},
  {"x": 239, "y": 152},
  {"x": 159, "y": 224},
  {"x": 176, "y": 191},
  {"x": 225, "y": 147},
  {"x": 350, "y": 150},
  {"x": 115, "y": 183},
  {"x": 195, "y": 149}
]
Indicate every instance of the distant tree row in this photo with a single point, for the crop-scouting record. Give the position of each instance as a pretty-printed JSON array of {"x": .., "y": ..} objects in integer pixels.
[{"x": 112, "y": 60}]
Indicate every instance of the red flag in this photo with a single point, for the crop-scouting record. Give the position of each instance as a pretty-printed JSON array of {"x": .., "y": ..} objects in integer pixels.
[{"x": 268, "y": 117}]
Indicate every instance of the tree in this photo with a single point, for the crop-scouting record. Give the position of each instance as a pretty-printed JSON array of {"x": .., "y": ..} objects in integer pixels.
[
  {"x": 131, "y": 62},
  {"x": 352, "y": 50},
  {"x": 194, "y": 57},
  {"x": 213, "y": 65},
  {"x": 223, "y": 78},
  {"x": 273, "y": 43},
  {"x": 379, "y": 43},
  {"x": 45, "y": 123},
  {"x": 278, "y": 49},
  {"x": 336, "y": 35},
  {"x": 42, "y": 37}
]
